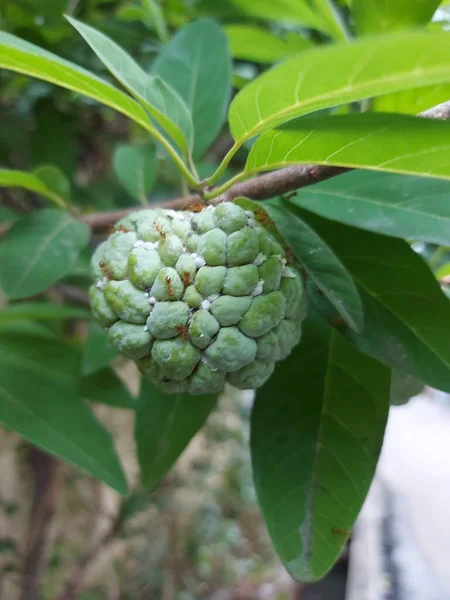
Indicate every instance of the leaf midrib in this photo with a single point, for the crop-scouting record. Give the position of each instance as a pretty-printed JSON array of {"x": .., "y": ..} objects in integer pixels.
[
  {"x": 65, "y": 440},
  {"x": 417, "y": 333},
  {"x": 311, "y": 102},
  {"x": 368, "y": 200},
  {"x": 39, "y": 251}
]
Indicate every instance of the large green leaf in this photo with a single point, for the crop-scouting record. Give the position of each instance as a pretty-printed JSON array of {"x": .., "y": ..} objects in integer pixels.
[
  {"x": 412, "y": 102},
  {"x": 197, "y": 64},
  {"x": 395, "y": 143},
  {"x": 375, "y": 16},
  {"x": 158, "y": 98},
  {"x": 165, "y": 424},
  {"x": 135, "y": 167},
  {"x": 322, "y": 265},
  {"x": 255, "y": 44},
  {"x": 98, "y": 352},
  {"x": 38, "y": 400},
  {"x": 338, "y": 74},
  {"x": 106, "y": 387},
  {"x": 55, "y": 180},
  {"x": 298, "y": 12},
  {"x": 406, "y": 315},
  {"x": 23, "y": 57},
  {"x": 39, "y": 249},
  {"x": 31, "y": 182},
  {"x": 316, "y": 433},
  {"x": 396, "y": 205},
  {"x": 42, "y": 311}
]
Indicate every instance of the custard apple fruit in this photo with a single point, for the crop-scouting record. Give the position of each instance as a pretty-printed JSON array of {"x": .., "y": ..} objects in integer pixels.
[{"x": 198, "y": 299}]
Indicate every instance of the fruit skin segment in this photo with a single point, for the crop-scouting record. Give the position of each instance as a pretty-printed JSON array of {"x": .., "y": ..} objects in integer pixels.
[{"x": 198, "y": 299}]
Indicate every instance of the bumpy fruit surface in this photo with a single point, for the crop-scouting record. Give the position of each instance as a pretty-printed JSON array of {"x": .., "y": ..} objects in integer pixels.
[{"x": 198, "y": 299}]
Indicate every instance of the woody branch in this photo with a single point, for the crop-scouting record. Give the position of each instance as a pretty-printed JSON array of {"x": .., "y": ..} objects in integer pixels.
[{"x": 260, "y": 187}]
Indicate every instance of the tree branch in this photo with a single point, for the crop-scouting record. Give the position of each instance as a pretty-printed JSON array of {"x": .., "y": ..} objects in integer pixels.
[
  {"x": 261, "y": 187},
  {"x": 46, "y": 470}
]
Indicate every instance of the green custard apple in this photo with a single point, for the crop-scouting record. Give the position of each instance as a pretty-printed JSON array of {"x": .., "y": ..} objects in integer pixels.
[{"x": 198, "y": 299}]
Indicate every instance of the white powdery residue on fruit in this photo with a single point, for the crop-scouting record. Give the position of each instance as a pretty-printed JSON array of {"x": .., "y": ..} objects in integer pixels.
[
  {"x": 205, "y": 361},
  {"x": 213, "y": 297},
  {"x": 138, "y": 243},
  {"x": 145, "y": 328},
  {"x": 258, "y": 288},
  {"x": 150, "y": 245},
  {"x": 152, "y": 300},
  {"x": 259, "y": 259},
  {"x": 205, "y": 304},
  {"x": 198, "y": 260},
  {"x": 172, "y": 213},
  {"x": 100, "y": 285},
  {"x": 288, "y": 272}
]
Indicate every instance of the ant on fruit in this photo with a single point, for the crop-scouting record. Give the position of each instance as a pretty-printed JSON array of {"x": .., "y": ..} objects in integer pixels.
[
  {"x": 186, "y": 278},
  {"x": 115, "y": 229},
  {"x": 106, "y": 272},
  {"x": 159, "y": 229},
  {"x": 196, "y": 207},
  {"x": 169, "y": 286}
]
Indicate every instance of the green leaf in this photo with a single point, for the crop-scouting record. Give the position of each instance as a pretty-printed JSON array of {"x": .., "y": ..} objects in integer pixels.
[
  {"x": 196, "y": 63},
  {"x": 412, "y": 102},
  {"x": 106, "y": 387},
  {"x": 379, "y": 16},
  {"x": 322, "y": 265},
  {"x": 417, "y": 208},
  {"x": 155, "y": 17},
  {"x": 315, "y": 446},
  {"x": 31, "y": 182},
  {"x": 135, "y": 167},
  {"x": 158, "y": 98},
  {"x": 38, "y": 400},
  {"x": 403, "y": 387},
  {"x": 98, "y": 352},
  {"x": 338, "y": 74},
  {"x": 255, "y": 44},
  {"x": 394, "y": 143},
  {"x": 55, "y": 180},
  {"x": 334, "y": 17},
  {"x": 42, "y": 312},
  {"x": 39, "y": 249},
  {"x": 406, "y": 315},
  {"x": 23, "y": 57},
  {"x": 165, "y": 424},
  {"x": 288, "y": 11}
]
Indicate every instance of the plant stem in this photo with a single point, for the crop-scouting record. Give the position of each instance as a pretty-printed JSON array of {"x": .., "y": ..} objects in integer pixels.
[{"x": 224, "y": 164}]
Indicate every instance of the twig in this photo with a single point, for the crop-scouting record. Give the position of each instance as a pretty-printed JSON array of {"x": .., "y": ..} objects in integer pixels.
[
  {"x": 46, "y": 471},
  {"x": 258, "y": 188}
]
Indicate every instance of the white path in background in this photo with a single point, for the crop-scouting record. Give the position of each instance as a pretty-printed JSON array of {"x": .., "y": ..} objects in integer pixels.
[{"x": 409, "y": 506}]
